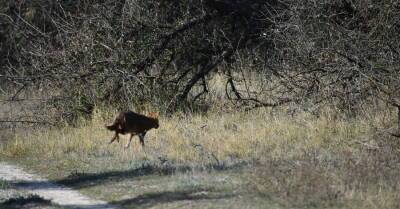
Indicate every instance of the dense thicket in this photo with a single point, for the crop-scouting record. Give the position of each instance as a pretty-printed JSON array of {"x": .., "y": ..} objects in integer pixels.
[{"x": 131, "y": 52}]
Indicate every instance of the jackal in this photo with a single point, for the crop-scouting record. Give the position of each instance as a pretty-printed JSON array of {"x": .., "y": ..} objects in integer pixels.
[{"x": 133, "y": 123}]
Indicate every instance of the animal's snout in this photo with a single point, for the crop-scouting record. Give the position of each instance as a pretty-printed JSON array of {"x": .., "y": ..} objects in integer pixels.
[{"x": 156, "y": 126}]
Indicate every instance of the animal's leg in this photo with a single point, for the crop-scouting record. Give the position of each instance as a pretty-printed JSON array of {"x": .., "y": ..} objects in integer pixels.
[
  {"x": 116, "y": 137},
  {"x": 141, "y": 137},
  {"x": 129, "y": 142}
]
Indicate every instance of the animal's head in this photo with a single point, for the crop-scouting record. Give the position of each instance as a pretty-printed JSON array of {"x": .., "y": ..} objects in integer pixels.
[{"x": 154, "y": 116}]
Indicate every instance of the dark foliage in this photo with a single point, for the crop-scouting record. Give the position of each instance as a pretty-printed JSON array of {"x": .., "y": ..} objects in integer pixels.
[{"x": 125, "y": 53}]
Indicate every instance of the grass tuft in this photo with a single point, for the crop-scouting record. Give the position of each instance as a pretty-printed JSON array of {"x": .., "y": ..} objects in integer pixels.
[{"x": 295, "y": 161}]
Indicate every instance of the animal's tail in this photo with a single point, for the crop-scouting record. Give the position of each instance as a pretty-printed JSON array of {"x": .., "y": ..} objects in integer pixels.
[
  {"x": 118, "y": 123},
  {"x": 112, "y": 127}
]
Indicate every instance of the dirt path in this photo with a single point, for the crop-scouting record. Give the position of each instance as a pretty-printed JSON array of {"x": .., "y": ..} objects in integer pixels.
[{"x": 58, "y": 194}]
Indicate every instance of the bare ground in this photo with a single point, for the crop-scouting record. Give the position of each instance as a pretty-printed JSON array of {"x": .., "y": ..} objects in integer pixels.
[{"x": 60, "y": 195}]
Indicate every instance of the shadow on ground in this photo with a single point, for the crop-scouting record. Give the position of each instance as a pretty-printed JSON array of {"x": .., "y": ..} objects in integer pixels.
[
  {"x": 149, "y": 200},
  {"x": 82, "y": 180},
  {"x": 33, "y": 201}
]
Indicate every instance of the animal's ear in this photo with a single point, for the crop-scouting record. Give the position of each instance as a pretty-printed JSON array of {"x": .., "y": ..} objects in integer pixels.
[{"x": 153, "y": 114}]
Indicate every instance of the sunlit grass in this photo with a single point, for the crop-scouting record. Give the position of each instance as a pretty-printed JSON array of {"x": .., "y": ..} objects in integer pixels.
[
  {"x": 305, "y": 159},
  {"x": 194, "y": 138}
]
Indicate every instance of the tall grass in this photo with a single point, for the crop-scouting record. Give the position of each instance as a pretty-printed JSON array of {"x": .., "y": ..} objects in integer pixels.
[
  {"x": 186, "y": 138},
  {"x": 303, "y": 158}
]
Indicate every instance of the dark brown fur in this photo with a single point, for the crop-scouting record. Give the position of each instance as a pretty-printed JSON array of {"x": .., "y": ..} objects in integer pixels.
[{"x": 133, "y": 123}]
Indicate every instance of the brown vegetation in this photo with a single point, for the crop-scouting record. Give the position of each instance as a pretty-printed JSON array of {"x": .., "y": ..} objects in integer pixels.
[
  {"x": 298, "y": 161},
  {"x": 299, "y": 96},
  {"x": 130, "y": 53}
]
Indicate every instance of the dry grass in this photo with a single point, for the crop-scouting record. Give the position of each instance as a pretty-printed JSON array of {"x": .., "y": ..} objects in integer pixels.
[
  {"x": 301, "y": 161},
  {"x": 202, "y": 139}
]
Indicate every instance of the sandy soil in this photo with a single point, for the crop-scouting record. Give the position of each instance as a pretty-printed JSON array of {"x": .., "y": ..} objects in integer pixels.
[{"x": 60, "y": 195}]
